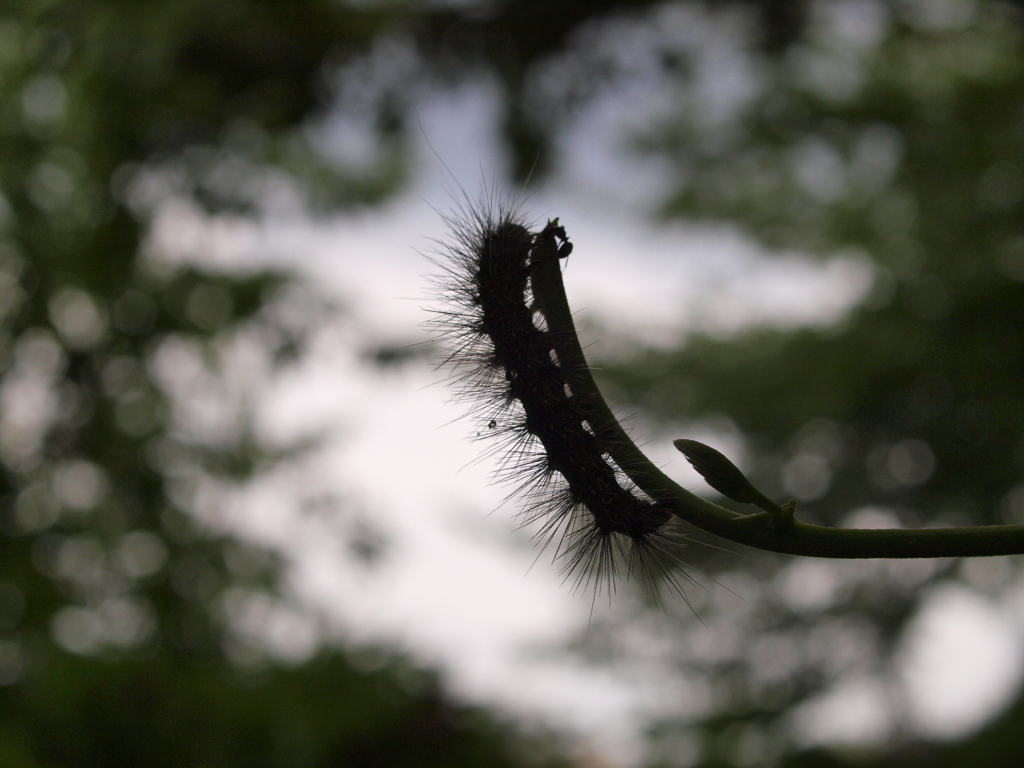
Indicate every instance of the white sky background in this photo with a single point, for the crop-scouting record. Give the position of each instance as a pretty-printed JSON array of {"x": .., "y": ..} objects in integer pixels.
[{"x": 456, "y": 588}]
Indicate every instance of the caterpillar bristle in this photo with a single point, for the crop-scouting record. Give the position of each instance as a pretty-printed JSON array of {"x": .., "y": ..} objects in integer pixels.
[{"x": 504, "y": 365}]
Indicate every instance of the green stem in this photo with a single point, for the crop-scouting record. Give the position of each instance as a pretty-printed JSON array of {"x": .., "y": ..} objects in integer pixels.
[{"x": 761, "y": 531}]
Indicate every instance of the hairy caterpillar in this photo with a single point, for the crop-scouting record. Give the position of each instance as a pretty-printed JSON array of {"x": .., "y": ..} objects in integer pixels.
[{"x": 506, "y": 365}]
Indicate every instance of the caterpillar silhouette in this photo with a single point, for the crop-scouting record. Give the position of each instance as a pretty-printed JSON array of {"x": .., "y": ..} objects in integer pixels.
[{"x": 506, "y": 366}]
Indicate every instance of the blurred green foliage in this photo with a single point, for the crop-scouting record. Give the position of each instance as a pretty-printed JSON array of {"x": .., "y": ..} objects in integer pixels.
[
  {"x": 112, "y": 634},
  {"x": 905, "y": 150},
  {"x": 174, "y": 711},
  {"x": 914, "y": 402}
]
